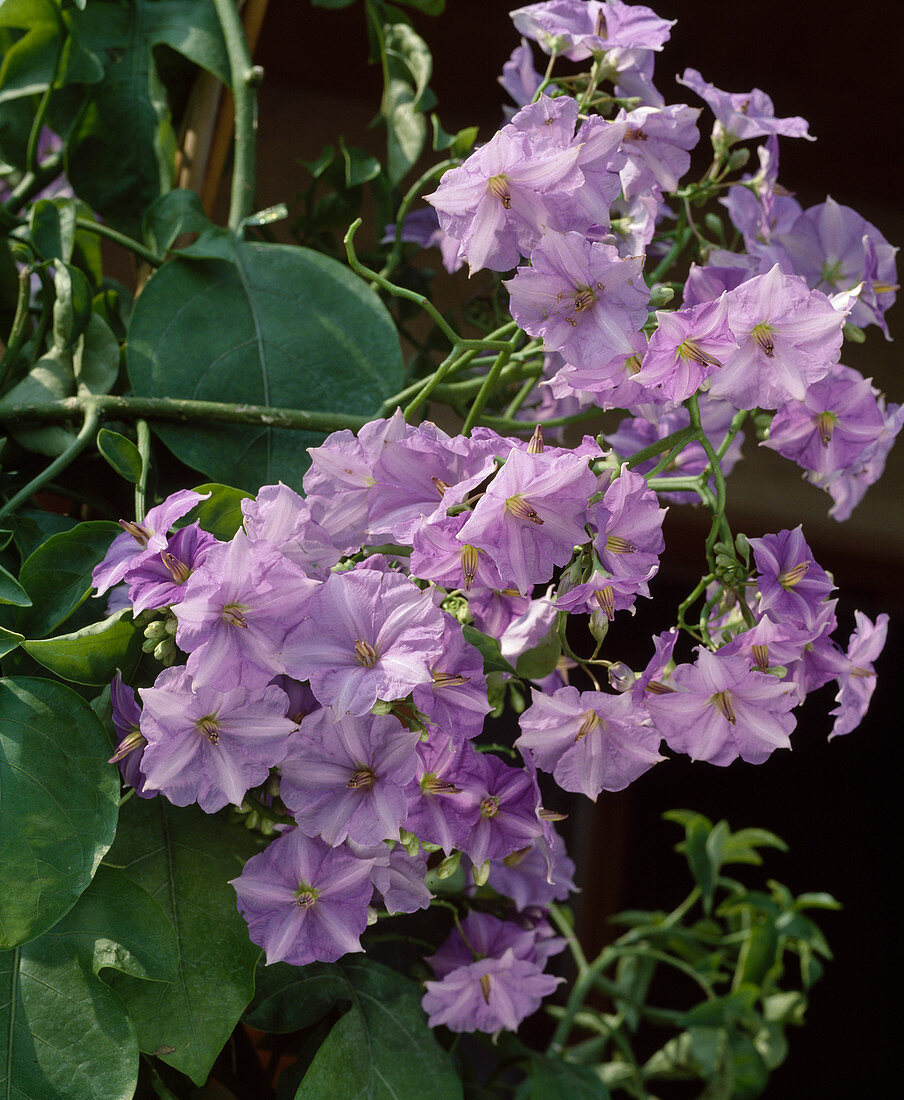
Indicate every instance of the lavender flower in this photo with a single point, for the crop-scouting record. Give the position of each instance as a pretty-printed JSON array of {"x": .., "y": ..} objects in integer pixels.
[
  {"x": 130, "y": 739},
  {"x": 304, "y": 901},
  {"x": 159, "y": 581},
  {"x": 721, "y": 710},
  {"x": 209, "y": 745},
  {"x": 590, "y": 741},
  {"x": 743, "y": 115},
  {"x": 369, "y": 635},
  {"x": 858, "y": 681},
  {"x": 345, "y": 777}
]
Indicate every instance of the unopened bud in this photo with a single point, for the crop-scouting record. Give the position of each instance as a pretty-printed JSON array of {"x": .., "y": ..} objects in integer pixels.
[
  {"x": 737, "y": 159},
  {"x": 621, "y": 678},
  {"x": 409, "y": 842},
  {"x": 371, "y": 916},
  {"x": 481, "y": 873},
  {"x": 156, "y": 630},
  {"x": 448, "y": 867}
]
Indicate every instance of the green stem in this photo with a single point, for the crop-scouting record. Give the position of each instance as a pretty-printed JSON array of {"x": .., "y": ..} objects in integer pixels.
[
  {"x": 245, "y": 79},
  {"x": 564, "y": 926},
  {"x": 504, "y": 424},
  {"x": 485, "y": 390},
  {"x": 144, "y": 449},
  {"x": 84, "y": 437},
  {"x": 392, "y": 260},
  {"x": 427, "y": 387},
  {"x": 674, "y": 439},
  {"x": 175, "y": 409},
  {"x": 397, "y": 291},
  {"x": 18, "y": 333},
  {"x": 121, "y": 239}
]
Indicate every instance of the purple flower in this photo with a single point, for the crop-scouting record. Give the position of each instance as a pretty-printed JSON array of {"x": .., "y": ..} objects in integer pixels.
[
  {"x": 858, "y": 682},
  {"x": 590, "y": 741},
  {"x": 236, "y": 612},
  {"x": 209, "y": 745},
  {"x": 159, "y": 581},
  {"x": 526, "y": 877},
  {"x": 489, "y": 977},
  {"x": 743, "y": 115},
  {"x": 130, "y": 740},
  {"x": 832, "y": 246},
  {"x": 281, "y": 517},
  {"x": 519, "y": 77},
  {"x": 304, "y": 901},
  {"x": 576, "y": 29},
  {"x": 444, "y": 799},
  {"x": 686, "y": 348},
  {"x": 829, "y": 430},
  {"x": 438, "y": 555},
  {"x": 508, "y": 799},
  {"x": 789, "y": 337},
  {"x": 495, "y": 203},
  {"x": 369, "y": 635},
  {"x": 629, "y": 521},
  {"x": 792, "y": 585},
  {"x": 721, "y": 710},
  {"x": 582, "y": 298},
  {"x": 142, "y": 541},
  {"x": 848, "y": 487},
  {"x": 532, "y": 515},
  {"x": 456, "y": 697},
  {"x": 397, "y": 876},
  {"x": 657, "y": 144},
  {"x": 345, "y": 777}
]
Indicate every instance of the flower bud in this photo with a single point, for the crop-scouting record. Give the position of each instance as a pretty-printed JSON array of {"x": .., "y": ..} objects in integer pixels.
[
  {"x": 481, "y": 873},
  {"x": 448, "y": 867}
]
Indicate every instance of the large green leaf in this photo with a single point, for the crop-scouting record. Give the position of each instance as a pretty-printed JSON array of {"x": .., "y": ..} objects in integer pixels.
[
  {"x": 405, "y": 97},
  {"x": 121, "y": 156},
  {"x": 380, "y": 1048},
  {"x": 29, "y": 64},
  {"x": 93, "y": 654},
  {"x": 272, "y": 325},
  {"x": 184, "y": 858},
  {"x": 59, "y": 800},
  {"x": 57, "y": 576},
  {"x": 63, "y": 1032}
]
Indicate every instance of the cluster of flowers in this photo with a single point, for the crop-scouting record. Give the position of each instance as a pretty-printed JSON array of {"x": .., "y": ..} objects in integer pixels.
[
  {"x": 325, "y": 660},
  {"x": 582, "y": 198}
]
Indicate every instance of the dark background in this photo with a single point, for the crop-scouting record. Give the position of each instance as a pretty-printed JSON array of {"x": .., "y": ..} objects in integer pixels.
[{"x": 838, "y": 804}]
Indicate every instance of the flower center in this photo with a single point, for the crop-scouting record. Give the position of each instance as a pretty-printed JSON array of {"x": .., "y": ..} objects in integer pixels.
[
  {"x": 825, "y": 425},
  {"x": 432, "y": 784},
  {"x": 590, "y": 723},
  {"x": 139, "y": 534},
  {"x": 178, "y": 570},
  {"x": 762, "y": 333},
  {"x": 583, "y": 299},
  {"x": 498, "y": 186},
  {"x": 305, "y": 895},
  {"x": 489, "y": 807},
  {"x": 485, "y": 987},
  {"x": 365, "y": 654},
  {"x": 761, "y": 657},
  {"x": 208, "y": 726},
  {"x": 722, "y": 699},
  {"x": 606, "y": 600},
  {"x": 519, "y": 508},
  {"x": 615, "y": 544},
  {"x": 233, "y": 613},
  {"x": 691, "y": 350},
  {"x": 469, "y": 565},
  {"x": 792, "y": 577},
  {"x": 362, "y": 779}
]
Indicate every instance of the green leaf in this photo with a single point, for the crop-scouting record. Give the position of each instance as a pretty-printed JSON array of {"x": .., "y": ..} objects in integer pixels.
[
  {"x": 177, "y": 212},
  {"x": 380, "y": 1048},
  {"x": 65, "y": 1033},
  {"x": 32, "y": 526},
  {"x": 28, "y": 65},
  {"x": 220, "y": 513},
  {"x": 740, "y": 847},
  {"x": 121, "y": 453},
  {"x": 9, "y": 640},
  {"x": 60, "y": 803},
  {"x": 52, "y": 225},
  {"x": 184, "y": 858},
  {"x": 121, "y": 155},
  {"x": 72, "y": 308},
  {"x": 542, "y": 659},
  {"x": 11, "y": 592},
  {"x": 360, "y": 167},
  {"x": 493, "y": 661},
  {"x": 57, "y": 576},
  {"x": 50, "y": 379},
  {"x": 552, "y": 1077},
  {"x": 93, "y": 654},
  {"x": 405, "y": 97},
  {"x": 333, "y": 4},
  {"x": 276, "y": 325},
  {"x": 95, "y": 361}
]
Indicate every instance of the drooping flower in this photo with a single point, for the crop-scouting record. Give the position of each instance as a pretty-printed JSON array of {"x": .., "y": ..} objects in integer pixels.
[
  {"x": 856, "y": 685},
  {"x": 792, "y": 585},
  {"x": 159, "y": 581},
  {"x": 743, "y": 115},
  {"x": 130, "y": 739},
  {"x": 303, "y": 900}
]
